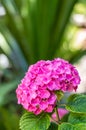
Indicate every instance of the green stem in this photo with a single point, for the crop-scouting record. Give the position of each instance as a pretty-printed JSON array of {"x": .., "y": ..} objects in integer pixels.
[{"x": 57, "y": 114}]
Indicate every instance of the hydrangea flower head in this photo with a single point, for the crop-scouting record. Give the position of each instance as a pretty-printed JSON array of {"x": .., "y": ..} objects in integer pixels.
[{"x": 36, "y": 92}]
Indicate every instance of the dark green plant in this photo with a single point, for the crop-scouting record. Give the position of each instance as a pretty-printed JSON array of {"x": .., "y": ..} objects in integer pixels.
[{"x": 35, "y": 27}]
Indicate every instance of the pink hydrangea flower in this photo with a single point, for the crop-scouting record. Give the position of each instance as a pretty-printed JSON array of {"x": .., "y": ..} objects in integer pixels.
[{"x": 36, "y": 92}]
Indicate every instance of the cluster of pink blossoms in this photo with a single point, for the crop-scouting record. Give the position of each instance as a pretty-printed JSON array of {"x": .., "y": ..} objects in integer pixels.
[{"x": 36, "y": 92}]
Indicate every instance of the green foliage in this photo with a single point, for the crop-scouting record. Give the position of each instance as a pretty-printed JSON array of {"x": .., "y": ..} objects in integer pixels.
[
  {"x": 76, "y": 118},
  {"x": 81, "y": 126},
  {"x": 68, "y": 126},
  {"x": 36, "y": 26},
  {"x": 8, "y": 120},
  {"x": 77, "y": 103},
  {"x": 6, "y": 88},
  {"x": 11, "y": 49},
  {"x": 53, "y": 126},
  {"x": 30, "y": 121}
]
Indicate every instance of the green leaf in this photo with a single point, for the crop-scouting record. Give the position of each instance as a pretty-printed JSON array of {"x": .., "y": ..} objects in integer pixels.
[
  {"x": 53, "y": 126},
  {"x": 77, "y": 103},
  {"x": 71, "y": 97},
  {"x": 77, "y": 118},
  {"x": 66, "y": 126},
  {"x": 10, "y": 42},
  {"x": 81, "y": 126},
  {"x": 60, "y": 24},
  {"x": 30, "y": 121}
]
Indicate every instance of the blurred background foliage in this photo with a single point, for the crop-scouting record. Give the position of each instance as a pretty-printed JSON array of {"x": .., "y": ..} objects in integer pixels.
[{"x": 31, "y": 30}]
